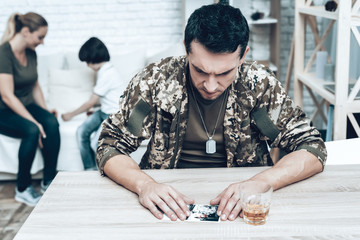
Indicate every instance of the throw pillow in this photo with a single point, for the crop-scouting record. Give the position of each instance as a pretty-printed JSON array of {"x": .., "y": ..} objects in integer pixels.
[
  {"x": 128, "y": 64},
  {"x": 68, "y": 89}
]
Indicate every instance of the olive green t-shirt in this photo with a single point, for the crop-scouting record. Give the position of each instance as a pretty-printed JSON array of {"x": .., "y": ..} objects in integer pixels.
[
  {"x": 25, "y": 77},
  {"x": 193, "y": 153}
]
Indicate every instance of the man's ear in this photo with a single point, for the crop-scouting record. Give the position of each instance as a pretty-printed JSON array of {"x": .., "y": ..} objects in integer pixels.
[
  {"x": 185, "y": 48},
  {"x": 243, "y": 57}
]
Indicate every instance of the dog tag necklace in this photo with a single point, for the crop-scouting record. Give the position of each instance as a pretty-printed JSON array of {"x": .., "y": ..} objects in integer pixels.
[{"x": 210, "y": 143}]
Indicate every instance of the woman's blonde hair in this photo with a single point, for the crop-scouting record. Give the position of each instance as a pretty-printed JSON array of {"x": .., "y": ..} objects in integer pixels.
[{"x": 18, "y": 21}]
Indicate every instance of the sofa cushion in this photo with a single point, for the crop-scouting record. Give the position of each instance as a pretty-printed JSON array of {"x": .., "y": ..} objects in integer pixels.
[
  {"x": 68, "y": 89},
  {"x": 46, "y": 62},
  {"x": 128, "y": 64},
  {"x": 9, "y": 161},
  {"x": 72, "y": 61}
]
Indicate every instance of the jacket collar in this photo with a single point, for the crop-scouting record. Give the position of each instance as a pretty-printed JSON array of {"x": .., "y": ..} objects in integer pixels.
[{"x": 172, "y": 91}]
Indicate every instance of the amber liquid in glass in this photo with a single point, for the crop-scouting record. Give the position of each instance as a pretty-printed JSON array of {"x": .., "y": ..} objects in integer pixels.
[{"x": 256, "y": 214}]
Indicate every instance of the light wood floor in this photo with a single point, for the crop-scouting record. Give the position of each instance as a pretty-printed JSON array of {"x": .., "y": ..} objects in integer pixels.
[{"x": 12, "y": 213}]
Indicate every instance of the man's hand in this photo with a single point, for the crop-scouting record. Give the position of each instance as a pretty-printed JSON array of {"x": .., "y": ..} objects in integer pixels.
[
  {"x": 229, "y": 202},
  {"x": 155, "y": 196},
  {"x": 293, "y": 167}
]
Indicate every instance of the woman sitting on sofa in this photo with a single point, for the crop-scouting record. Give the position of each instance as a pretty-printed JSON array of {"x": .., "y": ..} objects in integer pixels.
[{"x": 23, "y": 112}]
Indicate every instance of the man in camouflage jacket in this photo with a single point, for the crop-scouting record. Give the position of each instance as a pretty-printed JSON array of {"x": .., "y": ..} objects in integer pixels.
[{"x": 155, "y": 106}]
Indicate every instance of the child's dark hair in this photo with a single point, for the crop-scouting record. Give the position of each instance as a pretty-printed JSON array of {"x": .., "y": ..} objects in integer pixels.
[{"x": 94, "y": 51}]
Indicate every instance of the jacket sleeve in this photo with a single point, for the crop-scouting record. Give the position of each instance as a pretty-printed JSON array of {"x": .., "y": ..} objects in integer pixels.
[
  {"x": 282, "y": 123},
  {"x": 123, "y": 132}
]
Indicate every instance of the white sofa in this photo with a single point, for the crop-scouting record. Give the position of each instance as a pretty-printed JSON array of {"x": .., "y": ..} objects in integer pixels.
[{"x": 67, "y": 83}]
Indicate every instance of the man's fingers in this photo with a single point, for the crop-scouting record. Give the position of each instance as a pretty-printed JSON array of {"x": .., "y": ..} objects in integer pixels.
[
  {"x": 224, "y": 198},
  {"x": 215, "y": 200},
  {"x": 165, "y": 208},
  {"x": 182, "y": 202},
  {"x": 155, "y": 211},
  {"x": 228, "y": 203},
  {"x": 241, "y": 213},
  {"x": 155, "y": 197},
  {"x": 231, "y": 203},
  {"x": 235, "y": 212},
  {"x": 178, "y": 203},
  {"x": 188, "y": 200},
  {"x": 155, "y": 205}
]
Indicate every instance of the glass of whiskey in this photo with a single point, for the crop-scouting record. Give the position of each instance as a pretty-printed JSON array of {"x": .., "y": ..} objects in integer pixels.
[{"x": 255, "y": 201}]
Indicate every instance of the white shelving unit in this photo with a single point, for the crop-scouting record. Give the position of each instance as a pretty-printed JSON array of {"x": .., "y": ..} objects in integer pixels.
[
  {"x": 263, "y": 21},
  {"x": 345, "y": 104},
  {"x": 273, "y": 22}
]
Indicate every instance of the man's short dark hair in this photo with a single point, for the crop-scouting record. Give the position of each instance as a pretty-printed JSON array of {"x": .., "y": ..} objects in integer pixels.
[
  {"x": 94, "y": 51},
  {"x": 220, "y": 28}
]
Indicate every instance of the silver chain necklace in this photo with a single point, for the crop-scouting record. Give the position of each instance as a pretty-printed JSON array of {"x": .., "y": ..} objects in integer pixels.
[{"x": 210, "y": 143}]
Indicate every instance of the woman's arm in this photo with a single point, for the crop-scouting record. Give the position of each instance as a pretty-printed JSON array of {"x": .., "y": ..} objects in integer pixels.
[
  {"x": 9, "y": 98},
  {"x": 39, "y": 96}
]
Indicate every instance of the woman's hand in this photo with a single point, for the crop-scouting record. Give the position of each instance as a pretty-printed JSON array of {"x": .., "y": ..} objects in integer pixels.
[
  {"x": 41, "y": 135},
  {"x": 53, "y": 111}
]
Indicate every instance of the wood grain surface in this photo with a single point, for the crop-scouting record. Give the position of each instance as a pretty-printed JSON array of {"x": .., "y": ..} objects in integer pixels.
[{"x": 85, "y": 205}]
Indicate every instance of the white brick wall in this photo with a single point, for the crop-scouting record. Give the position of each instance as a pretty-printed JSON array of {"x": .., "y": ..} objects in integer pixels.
[
  {"x": 122, "y": 24},
  {"x": 125, "y": 25}
]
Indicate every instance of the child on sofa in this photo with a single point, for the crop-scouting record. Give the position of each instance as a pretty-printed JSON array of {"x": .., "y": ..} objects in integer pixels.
[{"x": 107, "y": 90}]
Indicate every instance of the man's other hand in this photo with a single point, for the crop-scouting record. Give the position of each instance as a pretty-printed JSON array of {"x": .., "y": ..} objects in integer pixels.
[{"x": 229, "y": 202}]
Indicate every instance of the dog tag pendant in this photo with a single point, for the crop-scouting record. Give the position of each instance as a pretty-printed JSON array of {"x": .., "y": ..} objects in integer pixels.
[{"x": 210, "y": 146}]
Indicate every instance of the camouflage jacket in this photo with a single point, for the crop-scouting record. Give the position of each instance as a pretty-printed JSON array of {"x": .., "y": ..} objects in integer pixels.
[{"x": 258, "y": 111}]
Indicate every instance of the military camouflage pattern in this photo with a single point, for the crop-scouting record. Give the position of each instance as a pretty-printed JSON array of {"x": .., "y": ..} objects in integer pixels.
[{"x": 258, "y": 111}]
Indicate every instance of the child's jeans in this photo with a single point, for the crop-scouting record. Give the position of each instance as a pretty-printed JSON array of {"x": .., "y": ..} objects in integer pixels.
[{"x": 83, "y": 133}]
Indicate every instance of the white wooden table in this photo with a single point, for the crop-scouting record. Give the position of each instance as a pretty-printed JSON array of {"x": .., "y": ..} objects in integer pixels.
[{"x": 84, "y": 205}]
